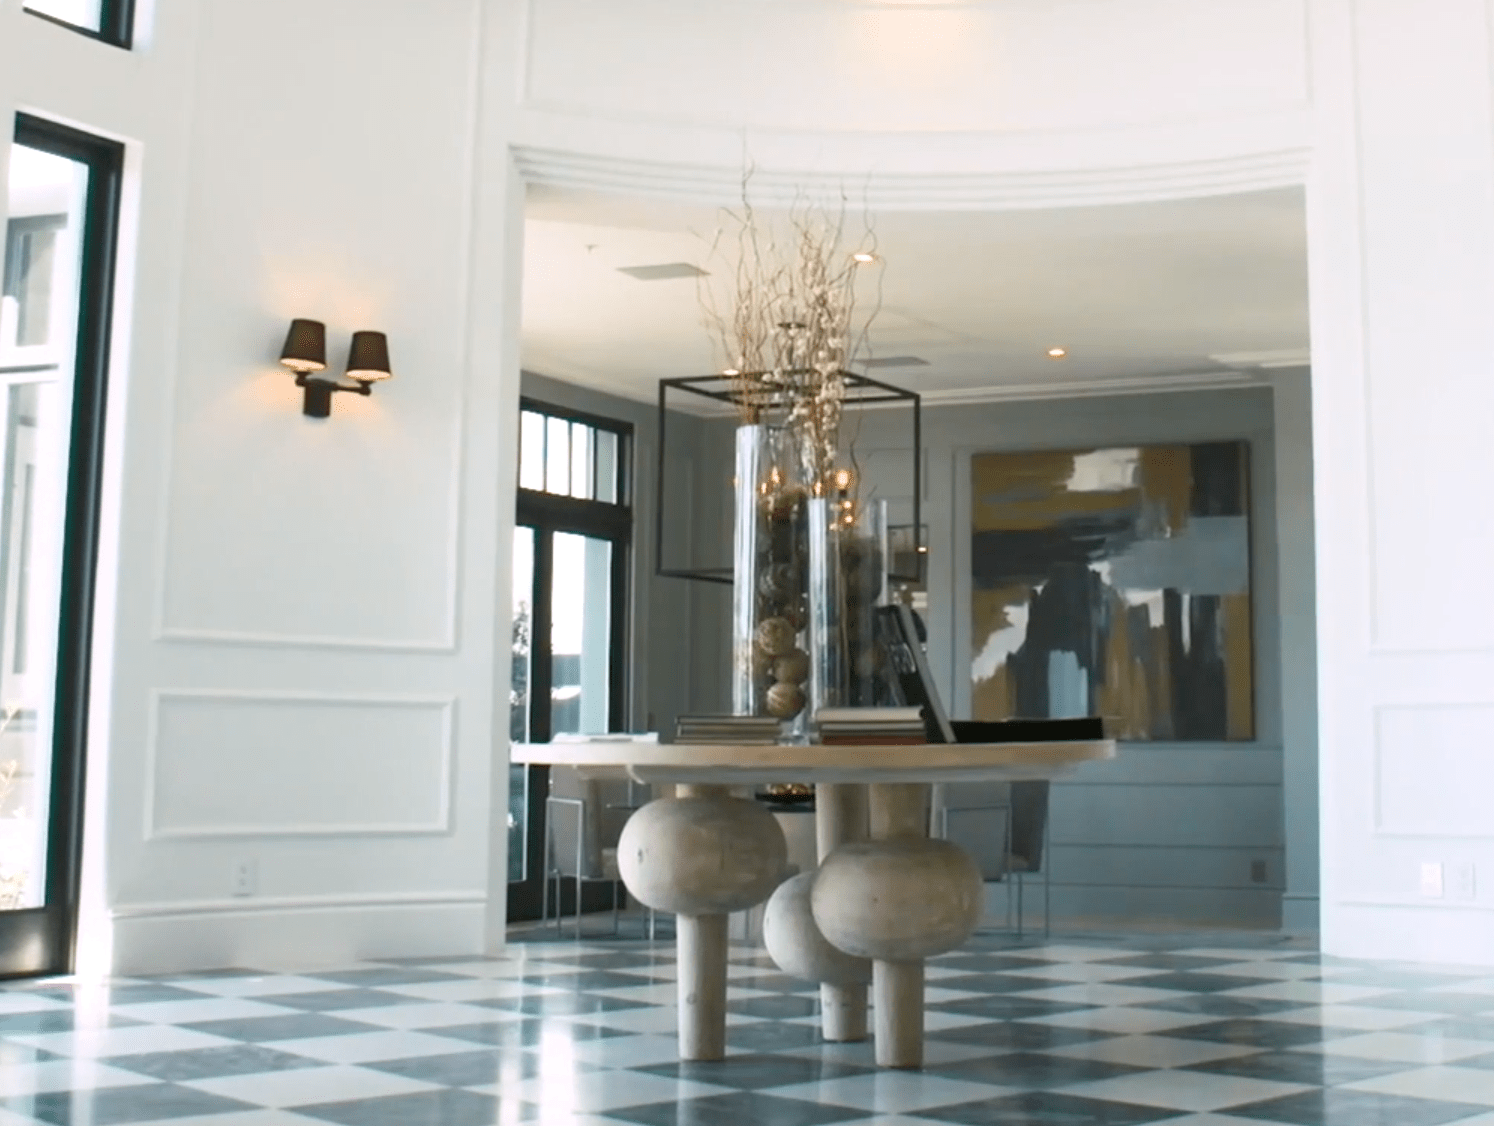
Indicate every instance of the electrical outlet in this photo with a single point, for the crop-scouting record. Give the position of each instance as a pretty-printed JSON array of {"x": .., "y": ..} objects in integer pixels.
[
  {"x": 1257, "y": 871},
  {"x": 1431, "y": 880},
  {"x": 1461, "y": 882},
  {"x": 245, "y": 877}
]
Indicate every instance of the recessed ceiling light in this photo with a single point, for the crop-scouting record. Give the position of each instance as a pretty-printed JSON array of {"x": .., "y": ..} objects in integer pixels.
[
  {"x": 863, "y": 257},
  {"x": 1057, "y": 353}
]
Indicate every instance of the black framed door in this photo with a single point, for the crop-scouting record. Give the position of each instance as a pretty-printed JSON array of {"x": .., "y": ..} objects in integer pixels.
[
  {"x": 61, "y": 229},
  {"x": 571, "y": 595}
]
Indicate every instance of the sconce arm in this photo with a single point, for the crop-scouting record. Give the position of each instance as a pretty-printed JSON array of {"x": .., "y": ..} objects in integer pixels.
[{"x": 318, "y": 399}]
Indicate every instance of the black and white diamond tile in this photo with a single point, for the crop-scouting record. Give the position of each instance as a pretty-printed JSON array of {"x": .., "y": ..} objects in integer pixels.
[{"x": 1109, "y": 1031}]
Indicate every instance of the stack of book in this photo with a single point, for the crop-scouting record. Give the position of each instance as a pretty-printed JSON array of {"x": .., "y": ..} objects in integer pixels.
[
  {"x": 727, "y": 729},
  {"x": 871, "y": 726}
]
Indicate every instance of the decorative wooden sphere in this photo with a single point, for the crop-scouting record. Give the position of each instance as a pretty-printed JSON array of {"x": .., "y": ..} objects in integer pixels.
[
  {"x": 776, "y": 583},
  {"x": 775, "y": 636},
  {"x": 702, "y": 855},
  {"x": 785, "y": 700},
  {"x": 792, "y": 667}
]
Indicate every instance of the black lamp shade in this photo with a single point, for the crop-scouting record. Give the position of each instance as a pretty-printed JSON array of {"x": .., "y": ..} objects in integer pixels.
[
  {"x": 368, "y": 359},
  {"x": 305, "y": 346}
]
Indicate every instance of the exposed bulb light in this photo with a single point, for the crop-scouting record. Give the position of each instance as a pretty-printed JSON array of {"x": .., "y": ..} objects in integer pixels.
[
  {"x": 731, "y": 371},
  {"x": 864, "y": 257},
  {"x": 1057, "y": 353}
]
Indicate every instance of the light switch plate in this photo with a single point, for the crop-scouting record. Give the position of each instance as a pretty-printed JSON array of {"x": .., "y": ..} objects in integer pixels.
[
  {"x": 1462, "y": 882},
  {"x": 1431, "y": 880}
]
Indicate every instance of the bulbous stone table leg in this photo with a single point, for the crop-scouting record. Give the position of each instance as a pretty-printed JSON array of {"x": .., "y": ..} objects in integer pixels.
[
  {"x": 840, "y": 816},
  {"x": 897, "y": 898},
  {"x": 702, "y": 855}
]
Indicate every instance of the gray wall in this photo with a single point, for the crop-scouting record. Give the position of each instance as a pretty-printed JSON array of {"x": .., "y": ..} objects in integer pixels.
[{"x": 1299, "y": 661}]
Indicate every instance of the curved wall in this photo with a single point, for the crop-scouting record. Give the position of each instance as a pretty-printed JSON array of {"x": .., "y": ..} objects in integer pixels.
[{"x": 1009, "y": 103}]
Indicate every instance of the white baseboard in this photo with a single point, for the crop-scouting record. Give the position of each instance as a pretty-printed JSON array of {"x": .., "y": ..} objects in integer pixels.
[
  {"x": 1398, "y": 932},
  {"x": 294, "y": 933}
]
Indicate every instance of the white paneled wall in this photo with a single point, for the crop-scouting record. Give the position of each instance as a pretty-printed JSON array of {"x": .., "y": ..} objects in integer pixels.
[
  {"x": 292, "y": 758},
  {"x": 1402, "y": 235}
]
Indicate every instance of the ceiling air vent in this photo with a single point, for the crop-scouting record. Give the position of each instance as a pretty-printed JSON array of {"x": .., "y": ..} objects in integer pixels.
[
  {"x": 663, "y": 272},
  {"x": 894, "y": 362}
]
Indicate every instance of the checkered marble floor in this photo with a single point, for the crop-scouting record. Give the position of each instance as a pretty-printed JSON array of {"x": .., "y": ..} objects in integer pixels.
[{"x": 1105, "y": 1030}]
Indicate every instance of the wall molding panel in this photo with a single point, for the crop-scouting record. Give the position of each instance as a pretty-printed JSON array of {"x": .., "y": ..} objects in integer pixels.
[
  {"x": 1432, "y": 772},
  {"x": 301, "y": 641},
  {"x": 224, "y": 765}
]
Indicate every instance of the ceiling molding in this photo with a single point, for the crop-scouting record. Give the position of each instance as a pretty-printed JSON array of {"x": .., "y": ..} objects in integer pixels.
[
  {"x": 1266, "y": 361},
  {"x": 715, "y": 185},
  {"x": 995, "y": 393},
  {"x": 1086, "y": 389}
]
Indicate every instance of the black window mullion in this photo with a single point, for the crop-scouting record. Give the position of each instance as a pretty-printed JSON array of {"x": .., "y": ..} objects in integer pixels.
[{"x": 116, "y": 23}]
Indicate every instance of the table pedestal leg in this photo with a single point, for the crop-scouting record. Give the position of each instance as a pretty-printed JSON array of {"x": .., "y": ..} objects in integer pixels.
[
  {"x": 840, "y": 816},
  {"x": 898, "y": 811},
  {"x": 701, "y": 951},
  {"x": 702, "y": 855},
  {"x": 899, "y": 1007}
]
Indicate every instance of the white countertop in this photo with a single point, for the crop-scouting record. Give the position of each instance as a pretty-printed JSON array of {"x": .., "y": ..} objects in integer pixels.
[{"x": 742, "y": 764}]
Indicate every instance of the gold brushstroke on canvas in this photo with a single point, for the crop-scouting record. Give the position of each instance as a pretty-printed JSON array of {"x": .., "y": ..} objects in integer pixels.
[
  {"x": 1028, "y": 491},
  {"x": 1165, "y": 474},
  {"x": 995, "y": 697},
  {"x": 1239, "y": 679}
]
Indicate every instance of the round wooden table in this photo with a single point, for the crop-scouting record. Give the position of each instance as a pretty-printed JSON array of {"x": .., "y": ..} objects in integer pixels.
[{"x": 863, "y": 793}]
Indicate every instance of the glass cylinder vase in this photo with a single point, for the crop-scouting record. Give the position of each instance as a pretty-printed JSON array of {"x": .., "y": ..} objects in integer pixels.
[
  {"x": 770, "y": 665},
  {"x": 847, "y": 584}
]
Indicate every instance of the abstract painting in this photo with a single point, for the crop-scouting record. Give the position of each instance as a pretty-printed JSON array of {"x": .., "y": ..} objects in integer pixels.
[{"x": 1115, "y": 582}]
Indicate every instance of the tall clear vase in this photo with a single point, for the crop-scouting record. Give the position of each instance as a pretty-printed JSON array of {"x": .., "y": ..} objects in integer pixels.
[
  {"x": 770, "y": 607},
  {"x": 848, "y": 552}
]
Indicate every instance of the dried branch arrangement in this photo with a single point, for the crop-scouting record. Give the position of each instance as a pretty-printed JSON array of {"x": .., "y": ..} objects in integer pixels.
[{"x": 788, "y": 328}]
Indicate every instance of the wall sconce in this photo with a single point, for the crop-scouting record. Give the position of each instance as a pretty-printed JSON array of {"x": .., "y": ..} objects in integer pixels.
[{"x": 305, "y": 353}]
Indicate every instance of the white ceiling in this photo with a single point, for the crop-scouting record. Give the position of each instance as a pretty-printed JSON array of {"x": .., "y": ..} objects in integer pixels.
[{"x": 1133, "y": 291}]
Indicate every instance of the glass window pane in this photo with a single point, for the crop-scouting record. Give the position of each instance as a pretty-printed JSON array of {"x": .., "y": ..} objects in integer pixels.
[
  {"x": 606, "y": 466},
  {"x": 518, "y": 697},
  {"x": 580, "y": 635},
  {"x": 581, "y": 461},
  {"x": 80, "y": 13},
  {"x": 38, "y": 330},
  {"x": 557, "y": 456},
  {"x": 531, "y": 451}
]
